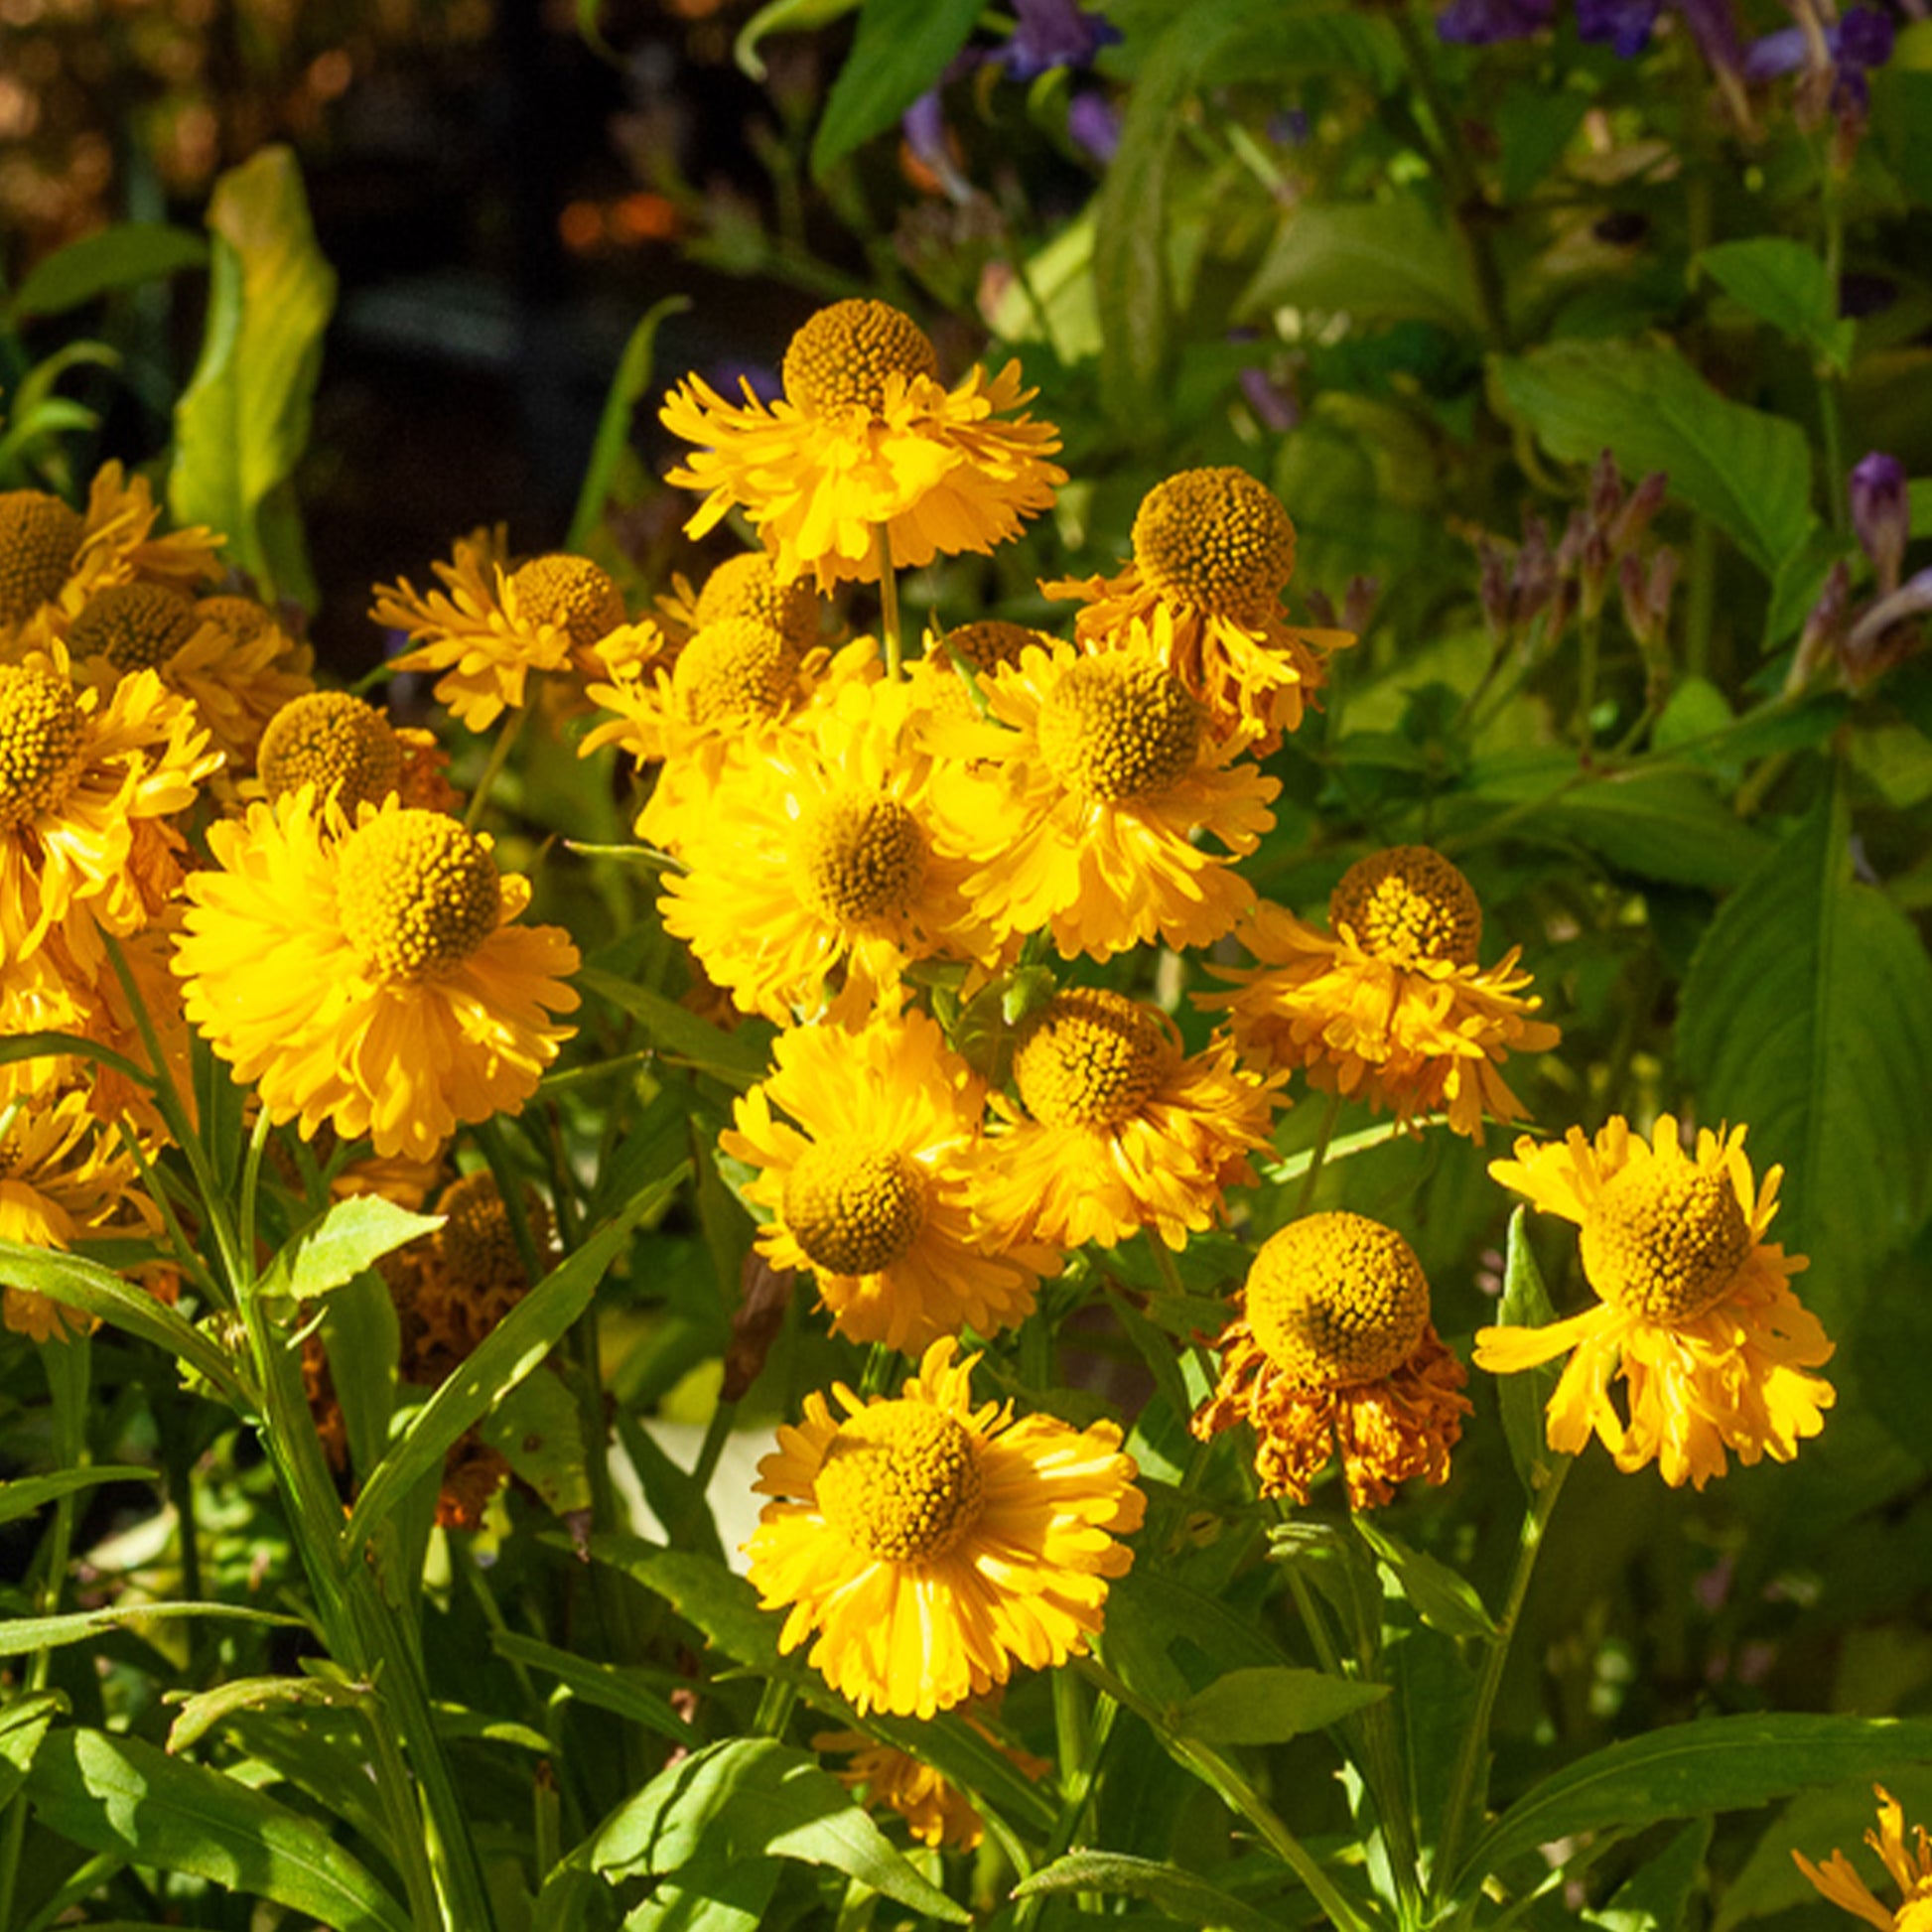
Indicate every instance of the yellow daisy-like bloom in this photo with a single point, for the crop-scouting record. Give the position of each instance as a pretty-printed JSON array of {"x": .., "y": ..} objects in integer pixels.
[
  {"x": 1085, "y": 811},
  {"x": 64, "y": 1173},
  {"x": 865, "y": 437},
  {"x": 937, "y": 1812},
  {"x": 1120, "y": 1128},
  {"x": 878, "y": 1189},
  {"x": 374, "y": 978},
  {"x": 978, "y": 649},
  {"x": 1214, "y": 550},
  {"x": 1695, "y": 1310},
  {"x": 40, "y": 537},
  {"x": 1393, "y": 1007},
  {"x": 1911, "y": 1873},
  {"x": 1331, "y": 1348},
  {"x": 814, "y": 857},
  {"x": 490, "y": 628},
  {"x": 747, "y": 585},
  {"x": 88, "y": 785},
  {"x": 933, "y": 1545},
  {"x": 118, "y": 544}
]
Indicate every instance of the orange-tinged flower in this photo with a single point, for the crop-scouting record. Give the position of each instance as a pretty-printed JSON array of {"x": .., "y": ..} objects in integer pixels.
[
  {"x": 1694, "y": 1310},
  {"x": 937, "y": 1812},
  {"x": 374, "y": 978},
  {"x": 932, "y": 1544},
  {"x": 1331, "y": 1350},
  {"x": 1911, "y": 1872},
  {"x": 866, "y": 438}
]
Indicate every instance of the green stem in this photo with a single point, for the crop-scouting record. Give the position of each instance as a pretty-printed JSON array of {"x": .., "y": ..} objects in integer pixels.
[
  {"x": 1469, "y": 1782},
  {"x": 252, "y": 1174},
  {"x": 1590, "y": 633},
  {"x": 1305, "y": 1198},
  {"x": 498, "y": 756},
  {"x": 1701, "y": 612},
  {"x": 1234, "y": 1791},
  {"x": 888, "y": 619}
]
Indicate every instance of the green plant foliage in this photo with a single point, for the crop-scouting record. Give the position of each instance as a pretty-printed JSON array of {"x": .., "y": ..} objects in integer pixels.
[{"x": 896, "y": 55}]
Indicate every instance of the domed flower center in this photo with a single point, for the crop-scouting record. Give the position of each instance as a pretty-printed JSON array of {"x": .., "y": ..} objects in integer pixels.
[
  {"x": 855, "y": 1209},
  {"x": 335, "y": 743},
  {"x": 1092, "y": 1058},
  {"x": 42, "y": 732},
  {"x": 748, "y": 587},
  {"x": 901, "y": 1481},
  {"x": 1214, "y": 537},
  {"x": 242, "y": 619},
  {"x": 860, "y": 858},
  {"x": 135, "y": 627},
  {"x": 988, "y": 644},
  {"x": 1337, "y": 1298},
  {"x": 1407, "y": 905},
  {"x": 1665, "y": 1240},
  {"x": 841, "y": 357},
  {"x": 736, "y": 668},
  {"x": 571, "y": 593},
  {"x": 39, "y": 537},
  {"x": 417, "y": 894},
  {"x": 476, "y": 1243},
  {"x": 1118, "y": 728}
]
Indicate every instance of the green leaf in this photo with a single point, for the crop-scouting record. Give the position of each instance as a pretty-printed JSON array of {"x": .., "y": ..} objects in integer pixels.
[
  {"x": 614, "y": 425},
  {"x": 242, "y": 422},
  {"x": 78, "y": 1283},
  {"x": 510, "y": 1352},
  {"x": 1382, "y": 260},
  {"x": 611, "y": 1687},
  {"x": 200, "y": 1712},
  {"x": 754, "y": 1797},
  {"x": 120, "y": 257},
  {"x": 1525, "y": 1395},
  {"x": 739, "y": 1058},
  {"x": 1443, "y": 1598},
  {"x": 1534, "y": 125},
  {"x": 21, "y": 1636},
  {"x": 730, "y": 1897},
  {"x": 900, "y": 50},
  {"x": 1748, "y": 472},
  {"x": 1686, "y": 1770},
  {"x": 1268, "y": 1705},
  {"x": 363, "y": 1340},
  {"x": 1786, "y": 284},
  {"x": 120, "y": 1796},
  {"x": 1807, "y": 1013},
  {"x": 782, "y": 16},
  {"x": 1185, "y": 1896},
  {"x": 353, "y": 1234},
  {"x": 1656, "y": 1898},
  {"x": 22, "y": 1725},
  {"x": 30, "y": 1493},
  {"x": 539, "y": 1430}
]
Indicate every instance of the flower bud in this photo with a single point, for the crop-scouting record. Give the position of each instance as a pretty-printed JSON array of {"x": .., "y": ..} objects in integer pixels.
[{"x": 1881, "y": 516}]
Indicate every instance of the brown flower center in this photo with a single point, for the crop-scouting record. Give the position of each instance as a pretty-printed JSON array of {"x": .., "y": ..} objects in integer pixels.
[
  {"x": 41, "y": 733},
  {"x": 1119, "y": 728},
  {"x": 1216, "y": 538},
  {"x": 842, "y": 357},
  {"x": 861, "y": 858},
  {"x": 736, "y": 668},
  {"x": 1337, "y": 1298},
  {"x": 748, "y": 587},
  {"x": 901, "y": 1481},
  {"x": 335, "y": 743},
  {"x": 1409, "y": 904},
  {"x": 39, "y": 538},
  {"x": 854, "y": 1208},
  {"x": 417, "y": 894},
  {"x": 1093, "y": 1058},
  {"x": 1665, "y": 1239},
  {"x": 135, "y": 627},
  {"x": 575, "y": 595}
]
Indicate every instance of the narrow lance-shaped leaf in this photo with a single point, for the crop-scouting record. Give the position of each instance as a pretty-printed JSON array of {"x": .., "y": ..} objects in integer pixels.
[{"x": 1183, "y": 1897}]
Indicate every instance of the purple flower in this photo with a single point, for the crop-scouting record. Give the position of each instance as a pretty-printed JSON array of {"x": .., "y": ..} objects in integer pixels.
[
  {"x": 1856, "y": 43},
  {"x": 1624, "y": 24},
  {"x": 1478, "y": 23},
  {"x": 1054, "y": 34},
  {"x": 1881, "y": 516},
  {"x": 1093, "y": 127}
]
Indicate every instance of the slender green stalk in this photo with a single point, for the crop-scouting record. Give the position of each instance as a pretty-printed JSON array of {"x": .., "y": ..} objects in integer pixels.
[
  {"x": 1330, "y": 1114},
  {"x": 1470, "y": 1778},
  {"x": 888, "y": 617},
  {"x": 252, "y": 1174},
  {"x": 498, "y": 756}
]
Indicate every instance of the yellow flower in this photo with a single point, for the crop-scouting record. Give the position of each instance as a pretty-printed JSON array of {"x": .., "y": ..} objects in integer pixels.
[
  {"x": 64, "y": 1173},
  {"x": 1213, "y": 549},
  {"x": 867, "y": 436},
  {"x": 980, "y": 649},
  {"x": 815, "y": 858},
  {"x": 1121, "y": 1130},
  {"x": 1393, "y": 1007},
  {"x": 1084, "y": 814},
  {"x": 348, "y": 751},
  {"x": 937, "y": 1813},
  {"x": 747, "y": 585},
  {"x": 1911, "y": 1873},
  {"x": 933, "y": 1545},
  {"x": 1331, "y": 1348},
  {"x": 489, "y": 626},
  {"x": 1695, "y": 1311},
  {"x": 372, "y": 978},
  {"x": 88, "y": 785},
  {"x": 880, "y": 1194}
]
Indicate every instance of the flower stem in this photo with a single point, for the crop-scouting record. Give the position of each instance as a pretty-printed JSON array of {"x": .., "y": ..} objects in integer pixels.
[
  {"x": 1466, "y": 1784},
  {"x": 498, "y": 756},
  {"x": 888, "y": 619},
  {"x": 1305, "y": 1198}
]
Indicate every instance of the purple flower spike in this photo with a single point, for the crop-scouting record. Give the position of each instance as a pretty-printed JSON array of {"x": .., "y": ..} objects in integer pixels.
[
  {"x": 1881, "y": 515},
  {"x": 1624, "y": 24},
  {"x": 1480, "y": 23},
  {"x": 1093, "y": 127},
  {"x": 1054, "y": 34}
]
